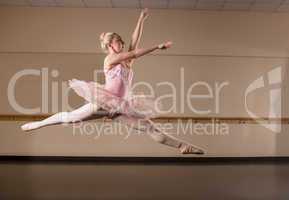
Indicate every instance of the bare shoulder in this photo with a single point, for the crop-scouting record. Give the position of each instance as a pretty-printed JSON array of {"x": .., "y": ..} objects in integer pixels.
[
  {"x": 114, "y": 59},
  {"x": 106, "y": 61}
]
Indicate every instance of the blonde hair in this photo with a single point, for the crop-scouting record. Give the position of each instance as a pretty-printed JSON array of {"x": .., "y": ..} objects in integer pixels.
[{"x": 106, "y": 38}]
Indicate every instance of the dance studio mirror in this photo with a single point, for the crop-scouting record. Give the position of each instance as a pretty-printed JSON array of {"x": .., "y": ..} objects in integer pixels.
[{"x": 117, "y": 82}]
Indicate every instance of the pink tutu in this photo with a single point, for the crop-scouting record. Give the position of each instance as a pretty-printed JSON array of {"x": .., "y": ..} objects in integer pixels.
[{"x": 140, "y": 106}]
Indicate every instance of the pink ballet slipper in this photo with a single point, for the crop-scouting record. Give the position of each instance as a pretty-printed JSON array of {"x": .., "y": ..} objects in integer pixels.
[
  {"x": 190, "y": 149},
  {"x": 30, "y": 126}
]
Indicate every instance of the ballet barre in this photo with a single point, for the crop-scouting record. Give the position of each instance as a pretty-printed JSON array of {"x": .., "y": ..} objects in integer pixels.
[{"x": 103, "y": 116}]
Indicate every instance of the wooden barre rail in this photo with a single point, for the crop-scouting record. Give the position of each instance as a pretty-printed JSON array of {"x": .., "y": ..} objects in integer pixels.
[{"x": 103, "y": 117}]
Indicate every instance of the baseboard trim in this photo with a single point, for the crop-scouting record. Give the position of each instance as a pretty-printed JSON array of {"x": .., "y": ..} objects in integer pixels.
[{"x": 145, "y": 160}]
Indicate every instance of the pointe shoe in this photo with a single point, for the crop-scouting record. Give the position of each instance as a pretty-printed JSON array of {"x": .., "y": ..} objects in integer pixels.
[
  {"x": 30, "y": 126},
  {"x": 190, "y": 149}
]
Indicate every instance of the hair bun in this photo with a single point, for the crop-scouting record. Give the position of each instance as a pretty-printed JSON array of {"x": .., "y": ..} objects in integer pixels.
[{"x": 101, "y": 37}]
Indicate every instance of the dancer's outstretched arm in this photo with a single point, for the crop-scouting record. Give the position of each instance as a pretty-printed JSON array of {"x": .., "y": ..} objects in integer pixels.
[{"x": 114, "y": 59}]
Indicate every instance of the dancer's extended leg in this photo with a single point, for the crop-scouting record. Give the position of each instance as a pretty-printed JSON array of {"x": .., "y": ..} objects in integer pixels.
[
  {"x": 146, "y": 125},
  {"x": 76, "y": 115}
]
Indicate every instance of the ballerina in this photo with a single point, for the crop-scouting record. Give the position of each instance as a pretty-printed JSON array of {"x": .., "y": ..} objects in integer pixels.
[{"x": 115, "y": 96}]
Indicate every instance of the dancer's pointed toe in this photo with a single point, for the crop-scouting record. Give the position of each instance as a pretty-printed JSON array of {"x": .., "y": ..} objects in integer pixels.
[
  {"x": 30, "y": 126},
  {"x": 200, "y": 151},
  {"x": 190, "y": 149},
  {"x": 25, "y": 127}
]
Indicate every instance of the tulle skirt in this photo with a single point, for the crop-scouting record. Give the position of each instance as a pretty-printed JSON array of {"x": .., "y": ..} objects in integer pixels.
[{"x": 136, "y": 106}]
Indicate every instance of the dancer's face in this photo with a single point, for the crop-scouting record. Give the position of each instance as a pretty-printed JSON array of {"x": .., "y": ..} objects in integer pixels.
[{"x": 117, "y": 45}]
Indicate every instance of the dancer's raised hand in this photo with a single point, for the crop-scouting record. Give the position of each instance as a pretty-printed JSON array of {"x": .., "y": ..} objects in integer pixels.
[
  {"x": 165, "y": 45},
  {"x": 144, "y": 14}
]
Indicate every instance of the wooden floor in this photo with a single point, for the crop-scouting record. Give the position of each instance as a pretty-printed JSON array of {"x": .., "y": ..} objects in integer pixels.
[{"x": 120, "y": 180}]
